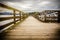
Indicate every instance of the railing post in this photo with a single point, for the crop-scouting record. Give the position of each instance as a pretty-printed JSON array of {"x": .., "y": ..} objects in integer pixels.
[
  {"x": 14, "y": 16},
  {"x": 45, "y": 17},
  {"x": 58, "y": 16},
  {"x": 20, "y": 15}
]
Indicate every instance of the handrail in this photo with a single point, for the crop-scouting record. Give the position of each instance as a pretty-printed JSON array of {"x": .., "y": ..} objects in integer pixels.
[
  {"x": 44, "y": 16},
  {"x": 8, "y": 7},
  {"x": 14, "y": 16}
]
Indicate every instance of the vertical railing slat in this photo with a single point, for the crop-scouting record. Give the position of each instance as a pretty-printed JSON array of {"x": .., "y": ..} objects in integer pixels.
[
  {"x": 14, "y": 16},
  {"x": 20, "y": 15}
]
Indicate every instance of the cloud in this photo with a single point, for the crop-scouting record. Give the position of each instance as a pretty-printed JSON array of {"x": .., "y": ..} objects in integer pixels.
[{"x": 33, "y": 5}]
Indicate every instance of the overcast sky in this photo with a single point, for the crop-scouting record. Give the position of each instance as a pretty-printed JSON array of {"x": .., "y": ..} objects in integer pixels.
[{"x": 32, "y": 5}]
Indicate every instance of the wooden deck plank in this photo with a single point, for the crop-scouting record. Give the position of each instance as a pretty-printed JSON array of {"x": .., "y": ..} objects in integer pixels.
[{"x": 32, "y": 29}]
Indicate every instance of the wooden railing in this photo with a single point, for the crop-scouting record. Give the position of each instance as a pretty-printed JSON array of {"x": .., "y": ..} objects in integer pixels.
[
  {"x": 6, "y": 21},
  {"x": 48, "y": 18}
]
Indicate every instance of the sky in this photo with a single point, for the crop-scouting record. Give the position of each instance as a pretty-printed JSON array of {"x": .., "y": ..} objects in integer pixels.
[{"x": 33, "y": 5}]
